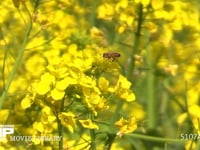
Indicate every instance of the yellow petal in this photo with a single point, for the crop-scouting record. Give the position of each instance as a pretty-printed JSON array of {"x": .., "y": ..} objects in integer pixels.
[
  {"x": 130, "y": 97},
  {"x": 182, "y": 118},
  {"x": 48, "y": 78},
  {"x": 38, "y": 126},
  {"x": 123, "y": 82},
  {"x": 42, "y": 88},
  {"x": 63, "y": 84},
  {"x": 145, "y": 2},
  {"x": 26, "y": 102},
  {"x": 68, "y": 120},
  {"x": 123, "y": 17},
  {"x": 157, "y": 4},
  {"x": 57, "y": 94},
  {"x": 72, "y": 49},
  {"x": 4, "y": 115},
  {"x": 129, "y": 20},
  {"x": 88, "y": 124},
  {"x": 121, "y": 28}
]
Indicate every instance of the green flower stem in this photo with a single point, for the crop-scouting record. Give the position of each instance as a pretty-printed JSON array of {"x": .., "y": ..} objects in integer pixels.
[
  {"x": 156, "y": 139},
  {"x": 151, "y": 108},
  {"x": 20, "y": 55},
  {"x": 136, "y": 42},
  {"x": 60, "y": 126},
  {"x": 16, "y": 65},
  {"x": 93, "y": 13},
  {"x": 111, "y": 137},
  {"x": 117, "y": 111},
  {"x": 109, "y": 141},
  {"x": 60, "y": 133},
  {"x": 93, "y": 136},
  {"x": 186, "y": 101}
]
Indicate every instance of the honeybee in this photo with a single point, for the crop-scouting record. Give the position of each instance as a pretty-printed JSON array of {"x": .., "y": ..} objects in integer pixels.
[{"x": 111, "y": 55}]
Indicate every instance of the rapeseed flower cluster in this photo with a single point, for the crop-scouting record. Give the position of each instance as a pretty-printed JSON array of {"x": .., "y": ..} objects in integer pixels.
[{"x": 74, "y": 89}]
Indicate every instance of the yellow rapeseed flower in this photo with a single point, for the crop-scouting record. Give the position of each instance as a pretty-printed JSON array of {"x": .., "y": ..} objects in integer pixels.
[
  {"x": 91, "y": 100},
  {"x": 126, "y": 126},
  {"x": 47, "y": 116},
  {"x": 122, "y": 89},
  {"x": 68, "y": 120},
  {"x": 121, "y": 28},
  {"x": 88, "y": 124},
  {"x": 88, "y": 83},
  {"x": 171, "y": 69},
  {"x": 105, "y": 11},
  {"x": 128, "y": 19},
  {"x": 122, "y": 4},
  {"x": 157, "y": 4},
  {"x": 103, "y": 84},
  {"x": 26, "y": 102}
]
